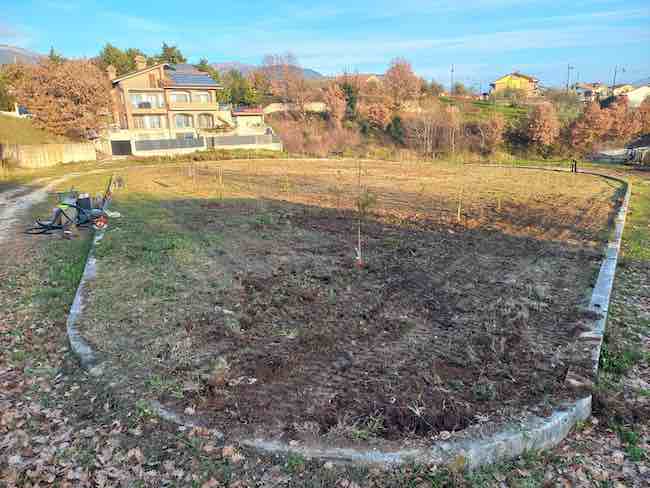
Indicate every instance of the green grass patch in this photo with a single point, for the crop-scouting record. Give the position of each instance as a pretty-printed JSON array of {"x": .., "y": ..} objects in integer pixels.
[
  {"x": 295, "y": 463},
  {"x": 618, "y": 362},
  {"x": 636, "y": 245},
  {"x": 631, "y": 440},
  {"x": 64, "y": 265},
  {"x": 484, "y": 109},
  {"x": 22, "y": 131}
]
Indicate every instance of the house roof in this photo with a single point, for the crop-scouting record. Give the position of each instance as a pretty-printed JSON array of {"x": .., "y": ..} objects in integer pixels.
[
  {"x": 179, "y": 75},
  {"x": 519, "y": 75},
  {"x": 137, "y": 72},
  {"x": 187, "y": 75},
  {"x": 244, "y": 111}
]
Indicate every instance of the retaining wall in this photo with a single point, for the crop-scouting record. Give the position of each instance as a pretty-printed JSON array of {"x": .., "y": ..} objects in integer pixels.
[{"x": 45, "y": 155}]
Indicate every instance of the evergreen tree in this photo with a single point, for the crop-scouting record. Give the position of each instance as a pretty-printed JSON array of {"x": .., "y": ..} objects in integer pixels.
[
  {"x": 351, "y": 94},
  {"x": 114, "y": 56},
  {"x": 171, "y": 54},
  {"x": 55, "y": 57}
]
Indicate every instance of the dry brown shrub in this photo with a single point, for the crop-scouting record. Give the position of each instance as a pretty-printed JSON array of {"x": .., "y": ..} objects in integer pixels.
[
  {"x": 590, "y": 128},
  {"x": 315, "y": 137},
  {"x": 625, "y": 123},
  {"x": 378, "y": 115},
  {"x": 66, "y": 98},
  {"x": 543, "y": 125}
]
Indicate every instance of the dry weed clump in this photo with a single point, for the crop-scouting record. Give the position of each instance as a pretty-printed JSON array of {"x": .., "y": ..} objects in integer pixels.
[{"x": 176, "y": 348}]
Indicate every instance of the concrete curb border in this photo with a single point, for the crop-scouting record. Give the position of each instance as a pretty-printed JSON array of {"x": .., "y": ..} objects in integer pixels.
[
  {"x": 79, "y": 346},
  {"x": 590, "y": 342},
  {"x": 509, "y": 442}
]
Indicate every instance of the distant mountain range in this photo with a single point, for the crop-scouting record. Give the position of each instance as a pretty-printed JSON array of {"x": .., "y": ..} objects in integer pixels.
[
  {"x": 643, "y": 82},
  {"x": 13, "y": 54},
  {"x": 224, "y": 67}
]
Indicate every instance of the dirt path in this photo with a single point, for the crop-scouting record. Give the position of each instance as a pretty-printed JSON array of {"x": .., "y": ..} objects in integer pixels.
[{"x": 13, "y": 202}]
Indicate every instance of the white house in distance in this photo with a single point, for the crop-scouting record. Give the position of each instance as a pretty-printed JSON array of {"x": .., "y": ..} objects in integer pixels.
[{"x": 636, "y": 96}]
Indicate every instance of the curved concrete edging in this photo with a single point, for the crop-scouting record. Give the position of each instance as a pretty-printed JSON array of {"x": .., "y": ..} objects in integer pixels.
[
  {"x": 509, "y": 442},
  {"x": 80, "y": 347}
]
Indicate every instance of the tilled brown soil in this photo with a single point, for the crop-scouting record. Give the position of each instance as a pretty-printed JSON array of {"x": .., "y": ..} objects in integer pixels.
[
  {"x": 443, "y": 326},
  {"x": 239, "y": 302}
]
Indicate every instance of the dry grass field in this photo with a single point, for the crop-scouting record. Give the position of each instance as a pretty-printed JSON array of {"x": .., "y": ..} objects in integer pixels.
[{"x": 232, "y": 291}]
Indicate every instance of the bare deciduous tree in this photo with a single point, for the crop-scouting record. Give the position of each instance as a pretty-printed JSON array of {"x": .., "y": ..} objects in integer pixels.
[
  {"x": 260, "y": 81},
  {"x": 334, "y": 98},
  {"x": 401, "y": 83},
  {"x": 434, "y": 131},
  {"x": 287, "y": 80},
  {"x": 491, "y": 133},
  {"x": 644, "y": 116}
]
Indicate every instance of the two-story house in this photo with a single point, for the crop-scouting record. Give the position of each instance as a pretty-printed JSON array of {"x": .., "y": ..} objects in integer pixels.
[
  {"x": 516, "y": 81},
  {"x": 167, "y": 101}
]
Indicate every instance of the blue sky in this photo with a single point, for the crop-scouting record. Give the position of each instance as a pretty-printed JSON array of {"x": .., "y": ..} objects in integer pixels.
[{"x": 482, "y": 38}]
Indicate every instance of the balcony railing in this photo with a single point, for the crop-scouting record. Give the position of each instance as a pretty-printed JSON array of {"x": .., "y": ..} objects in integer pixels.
[{"x": 148, "y": 106}]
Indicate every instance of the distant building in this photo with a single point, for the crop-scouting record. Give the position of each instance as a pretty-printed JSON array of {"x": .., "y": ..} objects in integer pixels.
[
  {"x": 529, "y": 85},
  {"x": 167, "y": 101},
  {"x": 591, "y": 92},
  {"x": 249, "y": 118},
  {"x": 169, "y": 109},
  {"x": 636, "y": 96},
  {"x": 618, "y": 90}
]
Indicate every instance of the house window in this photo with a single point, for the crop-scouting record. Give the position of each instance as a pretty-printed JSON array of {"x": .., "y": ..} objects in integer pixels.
[
  {"x": 148, "y": 121},
  {"x": 180, "y": 97},
  {"x": 152, "y": 80},
  {"x": 147, "y": 100},
  {"x": 206, "y": 121},
  {"x": 183, "y": 120},
  {"x": 201, "y": 97}
]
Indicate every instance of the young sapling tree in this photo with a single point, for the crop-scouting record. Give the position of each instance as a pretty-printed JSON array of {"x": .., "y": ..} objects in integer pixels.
[{"x": 365, "y": 200}]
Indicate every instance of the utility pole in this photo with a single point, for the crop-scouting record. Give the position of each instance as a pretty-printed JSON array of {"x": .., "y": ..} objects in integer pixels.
[
  {"x": 616, "y": 68},
  {"x": 568, "y": 76},
  {"x": 451, "y": 89}
]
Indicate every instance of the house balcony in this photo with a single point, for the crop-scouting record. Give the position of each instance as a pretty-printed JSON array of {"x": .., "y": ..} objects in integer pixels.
[
  {"x": 194, "y": 105},
  {"x": 144, "y": 108}
]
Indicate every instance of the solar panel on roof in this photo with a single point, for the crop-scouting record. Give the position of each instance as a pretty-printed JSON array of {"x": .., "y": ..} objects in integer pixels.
[{"x": 180, "y": 78}]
